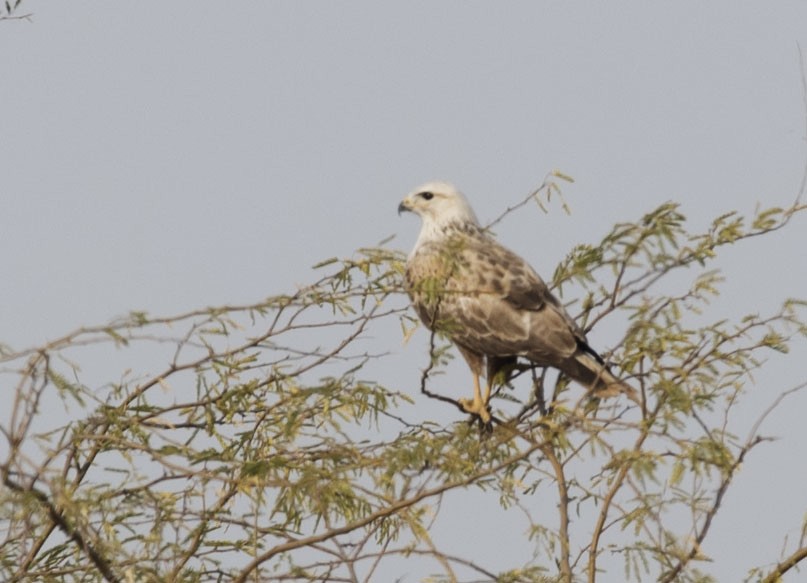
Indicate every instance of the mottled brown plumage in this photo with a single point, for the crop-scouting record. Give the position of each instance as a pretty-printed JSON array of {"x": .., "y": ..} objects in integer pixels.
[{"x": 489, "y": 301}]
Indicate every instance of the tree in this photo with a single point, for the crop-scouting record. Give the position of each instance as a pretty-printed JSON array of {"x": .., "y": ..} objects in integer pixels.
[
  {"x": 9, "y": 10},
  {"x": 250, "y": 443}
]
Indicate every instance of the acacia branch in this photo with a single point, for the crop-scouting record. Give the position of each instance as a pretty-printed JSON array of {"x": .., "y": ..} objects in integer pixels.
[
  {"x": 27, "y": 17},
  {"x": 695, "y": 549},
  {"x": 752, "y": 441},
  {"x": 381, "y": 513},
  {"x": 775, "y": 576},
  {"x": 424, "y": 375},
  {"x": 619, "y": 480},
  {"x": 563, "y": 511},
  {"x": 547, "y": 185},
  {"x": 57, "y": 517}
]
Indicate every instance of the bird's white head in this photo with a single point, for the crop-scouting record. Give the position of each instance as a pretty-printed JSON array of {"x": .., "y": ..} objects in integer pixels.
[{"x": 440, "y": 206}]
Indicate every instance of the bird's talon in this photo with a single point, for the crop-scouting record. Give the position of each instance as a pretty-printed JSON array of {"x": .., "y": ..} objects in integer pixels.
[{"x": 477, "y": 408}]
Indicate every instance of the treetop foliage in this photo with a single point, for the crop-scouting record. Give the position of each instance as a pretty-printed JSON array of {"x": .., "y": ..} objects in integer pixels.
[{"x": 264, "y": 441}]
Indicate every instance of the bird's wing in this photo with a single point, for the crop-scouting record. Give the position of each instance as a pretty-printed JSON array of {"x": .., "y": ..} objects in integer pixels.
[
  {"x": 517, "y": 282},
  {"x": 494, "y": 306},
  {"x": 516, "y": 294},
  {"x": 490, "y": 301}
]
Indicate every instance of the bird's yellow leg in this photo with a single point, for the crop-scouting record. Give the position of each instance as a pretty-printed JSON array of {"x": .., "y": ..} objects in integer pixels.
[
  {"x": 478, "y": 406},
  {"x": 487, "y": 390}
]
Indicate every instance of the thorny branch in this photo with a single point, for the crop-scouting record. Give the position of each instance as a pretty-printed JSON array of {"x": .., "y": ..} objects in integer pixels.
[{"x": 383, "y": 512}]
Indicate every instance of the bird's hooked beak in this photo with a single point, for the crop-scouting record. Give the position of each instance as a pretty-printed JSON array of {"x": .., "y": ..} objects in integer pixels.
[{"x": 403, "y": 207}]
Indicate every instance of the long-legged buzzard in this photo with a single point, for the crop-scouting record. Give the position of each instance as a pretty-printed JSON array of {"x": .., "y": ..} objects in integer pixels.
[{"x": 489, "y": 302}]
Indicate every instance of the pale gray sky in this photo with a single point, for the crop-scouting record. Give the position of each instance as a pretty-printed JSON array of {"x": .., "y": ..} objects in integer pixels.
[{"x": 166, "y": 156}]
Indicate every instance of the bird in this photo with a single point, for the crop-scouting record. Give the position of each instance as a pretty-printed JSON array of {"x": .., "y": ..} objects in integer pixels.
[{"x": 489, "y": 302}]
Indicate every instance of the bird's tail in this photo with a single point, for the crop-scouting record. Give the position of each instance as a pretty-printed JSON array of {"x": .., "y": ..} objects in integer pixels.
[{"x": 589, "y": 372}]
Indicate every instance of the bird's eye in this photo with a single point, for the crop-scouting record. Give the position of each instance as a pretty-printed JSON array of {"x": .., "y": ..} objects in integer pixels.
[{"x": 427, "y": 195}]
